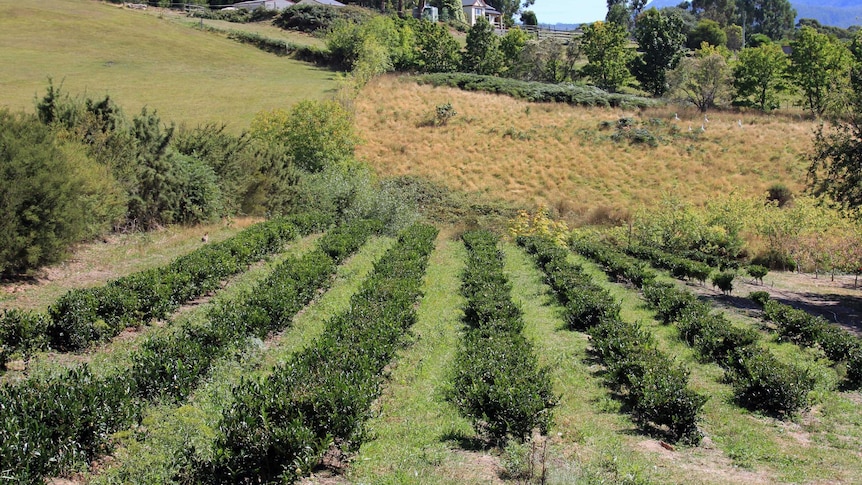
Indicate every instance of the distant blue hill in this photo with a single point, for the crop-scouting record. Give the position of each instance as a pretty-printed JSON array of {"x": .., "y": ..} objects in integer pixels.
[{"x": 838, "y": 13}]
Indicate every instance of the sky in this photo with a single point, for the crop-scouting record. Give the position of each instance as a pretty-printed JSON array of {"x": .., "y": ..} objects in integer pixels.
[{"x": 569, "y": 11}]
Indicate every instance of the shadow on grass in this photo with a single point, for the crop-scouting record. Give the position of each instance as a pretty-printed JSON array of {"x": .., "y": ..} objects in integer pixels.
[{"x": 465, "y": 442}]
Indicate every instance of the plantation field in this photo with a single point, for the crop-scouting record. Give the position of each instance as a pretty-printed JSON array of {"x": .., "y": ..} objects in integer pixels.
[
  {"x": 562, "y": 157},
  {"x": 187, "y": 75}
]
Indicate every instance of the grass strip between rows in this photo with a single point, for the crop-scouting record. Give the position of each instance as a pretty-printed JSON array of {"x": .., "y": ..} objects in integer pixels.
[
  {"x": 278, "y": 428},
  {"x": 49, "y": 426}
]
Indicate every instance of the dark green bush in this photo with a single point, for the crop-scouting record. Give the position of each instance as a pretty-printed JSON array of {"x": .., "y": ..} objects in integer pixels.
[
  {"x": 758, "y": 272},
  {"x": 497, "y": 381},
  {"x": 759, "y": 297},
  {"x": 724, "y": 281},
  {"x": 313, "y": 18},
  {"x": 762, "y": 382},
  {"x": 51, "y": 195},
  {"x": 616, "y": 264}
]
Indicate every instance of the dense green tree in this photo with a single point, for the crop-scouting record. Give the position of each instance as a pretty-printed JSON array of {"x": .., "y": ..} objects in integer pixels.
[
  {"x": 436, "y": 49},
  {"x": 735, "y": 39},
  {"x": 453, "y": 10},
  {"x": 482, "y": 54},
  {"x": 818, "y": 68},
  {"x": 772, "y": 18},
  {"x": 759, "y": 75},
  {"x": 512, "y": 47},
  {"x": 721, "y": 11},
  {"x": 528, "y": 17},
  {"x": 836, "y": 162},
  {"x": 547, "y": 60},
  {"x": 605, "y": 46},
  {"x": 708, "y": 31},
  {"x": 704, "y": 79},
  {"x": 624, "y": 12},
  {"x": 661, "y": 41}
]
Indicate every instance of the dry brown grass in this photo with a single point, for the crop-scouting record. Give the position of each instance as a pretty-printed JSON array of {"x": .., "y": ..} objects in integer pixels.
[{"x": 557, "y": 155}]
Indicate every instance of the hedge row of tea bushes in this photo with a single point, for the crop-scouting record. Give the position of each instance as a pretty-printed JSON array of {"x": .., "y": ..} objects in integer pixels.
[
  {"x": 759, "y": 380},
  {"x": 679, "y": 267},
  {"x": 84, "y": 316},
  {"x": 808, "y": 330},
  {"x": 653, "y": 384},
  {"x": 277, "y": 429},
  {"x": 575, "y": 94},
  {"x": 497, "y": 382},
  {"x": 617, "y": 265},
  {"x": 50, "y": 425}
]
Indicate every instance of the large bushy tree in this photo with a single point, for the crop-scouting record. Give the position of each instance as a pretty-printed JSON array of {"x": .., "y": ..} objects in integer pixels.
[
  {"x": 660, "y": 40},
  {"x": 836, "y": 162},
  {"x": 482, "y": 54},
  {"x": 605, "y": 46},
  {"x": 760, "y": 75},
  {"x": 818, "y": 68}
]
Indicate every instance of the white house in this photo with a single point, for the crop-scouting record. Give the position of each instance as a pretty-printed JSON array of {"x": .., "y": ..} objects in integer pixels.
[{"x": 475, "y": 9}]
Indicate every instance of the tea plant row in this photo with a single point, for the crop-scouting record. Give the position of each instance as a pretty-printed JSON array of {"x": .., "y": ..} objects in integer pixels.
[
  {"x": 651, "y": 382},
  {"x": 760, "y": 381},
  {"x": 497, "y": 382},
  {"x": 53, "y": 424},
  {"x": 802, "y": 328},
  {"x": 83, "y": 316},
  {"x": 278, "y": 428}
]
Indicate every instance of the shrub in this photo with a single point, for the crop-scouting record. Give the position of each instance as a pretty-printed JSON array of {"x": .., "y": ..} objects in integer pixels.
[
  {"x": 761, "y": 382},
  {"x": 444, "y": 113},
  {"x": 724, "y": 281},
  {"x": 780, "y": 194},
  {"x": 759, "y": 297},
  {"x": 313, "y": 18},
  {"x": 758, "y": 272},
  {"x": 52, "y": 196}
]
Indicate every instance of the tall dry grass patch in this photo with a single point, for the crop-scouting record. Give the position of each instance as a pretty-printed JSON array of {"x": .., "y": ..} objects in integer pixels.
[{"x": 561, "y": 157}]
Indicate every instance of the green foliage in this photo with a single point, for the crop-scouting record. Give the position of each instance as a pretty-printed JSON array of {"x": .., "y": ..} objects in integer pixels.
[
  {"x": 535, "y": 91},
  {"x": 482, "y": 55},
  {"x": 660, "y": 41},
  {"x": 761, "y": 382},
  {"x": 759, "y": 76},
  {"x": 528, "y": 17},
  {"x": 724, "y": 281},
  {"x": 709, "y": 32},
  {"x": 678, "y": 266},
  {"x": 772, "y": 18},
  {"x": 818, "y": 67},
  {"x": 617, "y": 265},
  {"x": 497, "y": 382},
  {"x": 280, "y": 427},
  {"x": 512, "y": 46},
  {"x": 51, "y": 195},
  {"x": 759, "y": 297},
  {"x": 758, "y": 272},
  {"x": 605, "y": 46},
  {"x": 703, "y": 80},
  {"x": 655, "y": 387},
  {"x": 780, "y": 194},
  {"x": 443, "y": 113},
  {"x": 436, "y": 49}
]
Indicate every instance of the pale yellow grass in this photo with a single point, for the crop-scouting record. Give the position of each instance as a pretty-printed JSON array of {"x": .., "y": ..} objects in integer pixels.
[{"x": 556, "y": 155}]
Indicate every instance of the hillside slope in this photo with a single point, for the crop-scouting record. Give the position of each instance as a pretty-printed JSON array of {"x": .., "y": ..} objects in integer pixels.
[{"x": 141, "y": 59}]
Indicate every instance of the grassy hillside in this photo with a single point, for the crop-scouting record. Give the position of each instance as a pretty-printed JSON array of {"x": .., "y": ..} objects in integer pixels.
[
  {"x": 140, "y": 60},
  {"x": 563, "y": 157}
]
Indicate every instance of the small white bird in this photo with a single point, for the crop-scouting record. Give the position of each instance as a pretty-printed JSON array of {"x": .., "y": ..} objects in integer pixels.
[
  {"x": 705, "y": 119},
  {"x": 676, "y": 117},
  {"x": 689, "y": 127},
  {"x": 702, "y": 128},
  {"x": 739, "y": 122}
]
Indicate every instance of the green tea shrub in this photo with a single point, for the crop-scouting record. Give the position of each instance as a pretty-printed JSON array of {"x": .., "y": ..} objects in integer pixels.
[{"x": 762, "y": 382}]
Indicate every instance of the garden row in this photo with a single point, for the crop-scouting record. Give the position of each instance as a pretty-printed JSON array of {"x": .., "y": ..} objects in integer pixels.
[
  {"x": 278, "y": 428},
  {"x": 760, "y": 381},
  {"x": 50, "y": 425},
  {"x": 807, "y": 330},
  {"x": 497, "y": 382},
  {"x": 651, "y": 382},
  {"x": 83, "y": 316}
]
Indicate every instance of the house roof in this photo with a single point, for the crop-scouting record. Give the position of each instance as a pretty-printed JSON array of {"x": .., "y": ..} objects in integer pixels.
[{"x": 470, "y": 3}]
